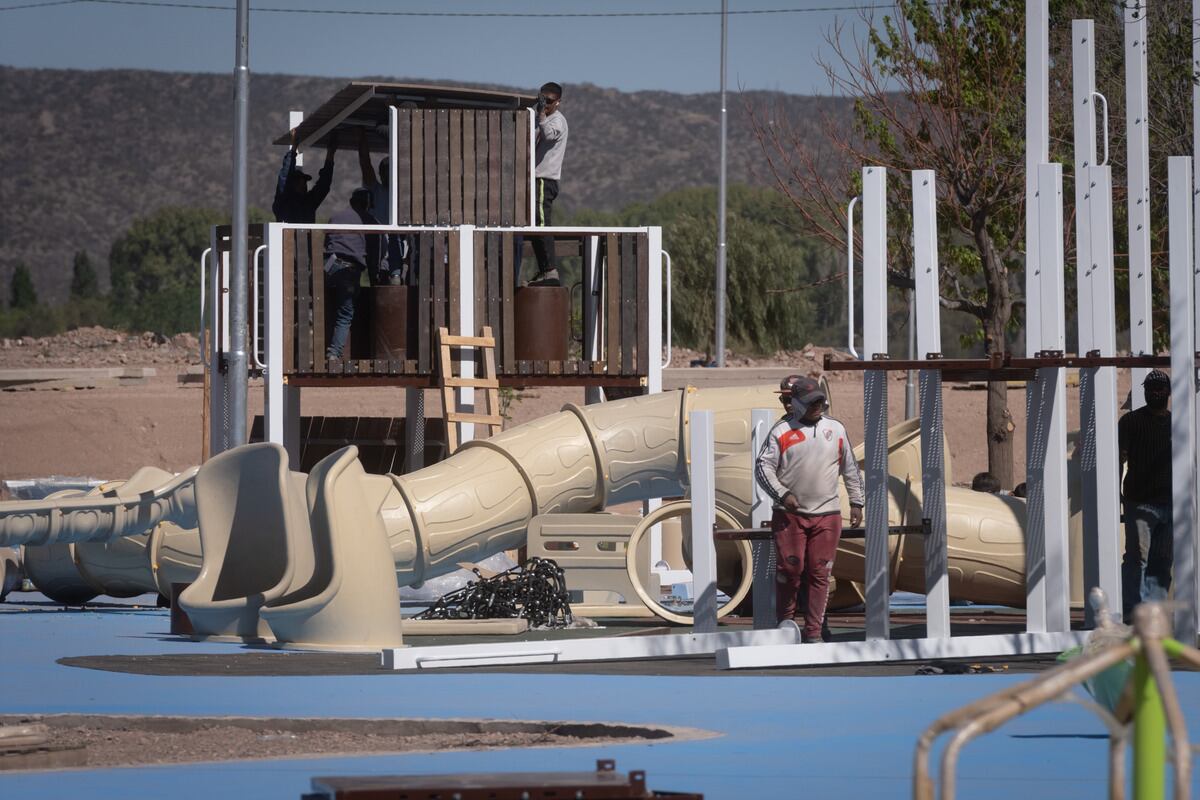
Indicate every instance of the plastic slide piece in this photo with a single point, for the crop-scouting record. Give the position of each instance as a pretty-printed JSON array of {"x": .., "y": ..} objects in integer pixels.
[
  {"x": 350, "y": 601},
  {"x": 253, "y": 520}
]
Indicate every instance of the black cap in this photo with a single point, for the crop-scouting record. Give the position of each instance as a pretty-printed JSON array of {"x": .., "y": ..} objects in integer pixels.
[
  {"x": 301, "y": 174},
  {"x": 806, "y": 390},
  {"x": 1156, "y": 377}
]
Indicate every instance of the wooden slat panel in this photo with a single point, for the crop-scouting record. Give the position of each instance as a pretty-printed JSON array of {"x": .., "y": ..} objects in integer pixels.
[
  {"x": 442, "y": 157},
  {"x": 494, "y": 154},
  {"x": 480, "y": 315},
  {"x": 612, "y": 288},
  {"x": 424, "y": 294},
  {"x": 439, "y": 279},
  {"x": 508, "y": 331},
  {"x": 417, "y": 151},
  {"x": 304, "y": 282},
  {"x": 628, "y": 303},
  {"x": 404, "y": 166},
  {"x": 318, "y": 301},
  {"x": 521, "y": 176},
  {"x": 468, "y": 167},
  {"x": 481, "y": 162},
  {"x": 429, "y": 215},
  {"x": 289, "y": 302},
  {"x": 456, "y": 166},
  {"x": 643, "y": 360},
  {"x": 556, "y": 367},
  {"x": 508, "y": 166},
  {"x": 379, "y": 366},
  {"x": 454, "y": 283}
]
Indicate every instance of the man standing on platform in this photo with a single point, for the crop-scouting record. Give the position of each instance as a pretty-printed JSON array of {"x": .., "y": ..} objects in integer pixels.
[
  {"x": 798, "y": 467},
  {"x": 550, "y": 149},
  {"x": 349, "y": 253},
  {"x": 1144, "y": 442}
]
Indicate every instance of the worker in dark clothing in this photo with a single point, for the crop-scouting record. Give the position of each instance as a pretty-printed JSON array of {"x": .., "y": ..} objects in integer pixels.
[
  {"x": 347, "y": 255},
  {"x": 1144, "y": 443},
  {"x": 294, "y": 201}
]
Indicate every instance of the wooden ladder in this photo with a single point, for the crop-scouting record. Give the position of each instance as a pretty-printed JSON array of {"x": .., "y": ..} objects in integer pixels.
[{"x": 449, "y": 382}]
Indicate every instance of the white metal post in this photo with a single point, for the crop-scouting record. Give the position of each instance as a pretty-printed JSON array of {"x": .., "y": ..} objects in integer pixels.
[
  {"x": 592, "y": 290},
  {"x": 1137, "y": 138},
  {"x": 654, "y": 303},
  {"x": 704, "y": 517},
  {"x": 765, "y": 615},
  {"x": 1046, "y": 558},
  {"x": 273, "y": 386},
  {"x": 466, "y": 323},
  {"x": 1183, "y": 395},
  {"x": 1037, "y": 149},
  {"x": 218, "y": 402},
  {"x": 933, "y": 459},
  {"x": 393, "y": 165},
  {"x": 875, "y": 400}
]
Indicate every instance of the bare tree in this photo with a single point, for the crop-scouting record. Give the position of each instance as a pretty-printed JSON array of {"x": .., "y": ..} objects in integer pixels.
[{"x": 936, "y": 86}]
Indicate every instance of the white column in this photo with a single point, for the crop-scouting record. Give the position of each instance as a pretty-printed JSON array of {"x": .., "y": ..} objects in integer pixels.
[
  {"x": 704, "y": 517},
  {"x": 1037, "y": 146},
  {"x": 1183, "y": 396},
  {"x": 875, "y": 399},
  {"x": 933, "y": 461},
  {"x": 466, "y": 324},
  {"x": 655, "y": 311},
  {"x": 765, "y": 615},
  {"x": 592, "y": 289},
  {"x": 274, "y": 403},
  {"x": 1046, "y": 561},
  {"x": 1137, "y": 138},
  {"x": 393, "y": 161},
  {"x": 294, "y": 120}
]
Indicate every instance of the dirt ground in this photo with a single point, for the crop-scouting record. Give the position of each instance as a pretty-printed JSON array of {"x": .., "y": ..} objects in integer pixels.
[
  {"x": 110, "y": 432},
  {"x": 76, "y": 740}
]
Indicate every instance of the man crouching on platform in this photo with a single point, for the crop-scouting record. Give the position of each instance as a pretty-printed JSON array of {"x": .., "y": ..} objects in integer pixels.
[{"x": 799, "y": 467}]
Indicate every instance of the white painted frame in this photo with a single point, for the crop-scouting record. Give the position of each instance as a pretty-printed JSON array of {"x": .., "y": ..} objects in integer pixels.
[{"x": 1137, "y": 143}]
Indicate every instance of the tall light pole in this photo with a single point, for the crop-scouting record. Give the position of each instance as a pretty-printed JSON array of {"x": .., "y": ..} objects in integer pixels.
[
  {"x": 239, "y": 276},
  {"x": 720, "y": 287}
]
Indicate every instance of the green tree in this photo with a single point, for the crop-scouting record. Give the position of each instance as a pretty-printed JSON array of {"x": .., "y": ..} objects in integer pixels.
[
  {"x": 778, "y": 297},
  {"x": 22, "y": 294},
  {"x": 84, "y": 283}
]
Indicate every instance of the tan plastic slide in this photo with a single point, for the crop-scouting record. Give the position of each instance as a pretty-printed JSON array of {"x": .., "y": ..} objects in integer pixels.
[{"x": 482, "y": 499}]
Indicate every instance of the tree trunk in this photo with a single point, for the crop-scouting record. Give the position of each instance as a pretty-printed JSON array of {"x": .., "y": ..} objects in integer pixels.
[
  {"x": 998, "y": 311},
  {"x": 1000, "y": 434}
]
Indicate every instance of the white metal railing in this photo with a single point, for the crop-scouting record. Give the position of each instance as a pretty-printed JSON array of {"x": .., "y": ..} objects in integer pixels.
[
  {"x": 850, "y": 275},
  {"x": 667, "y": 264}
]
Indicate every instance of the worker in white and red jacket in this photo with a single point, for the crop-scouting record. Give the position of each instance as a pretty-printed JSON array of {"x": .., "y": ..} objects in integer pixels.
[{"x": 798, "y": 467}]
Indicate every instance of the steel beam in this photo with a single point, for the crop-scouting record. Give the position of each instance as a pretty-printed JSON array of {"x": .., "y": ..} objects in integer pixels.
[
  {"x": 1137, "y": 142},
  {"x": 765, "y": 614}
]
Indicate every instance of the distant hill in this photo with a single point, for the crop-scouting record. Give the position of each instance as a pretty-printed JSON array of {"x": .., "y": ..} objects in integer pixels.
[{"x": 84, "y": 152}]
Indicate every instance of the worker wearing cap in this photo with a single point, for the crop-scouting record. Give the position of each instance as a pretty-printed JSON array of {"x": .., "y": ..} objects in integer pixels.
[
  {"x": 294, "y": 201},
  {"x": 798, "y": 467},
  {"x": 1144, "y": 443}
]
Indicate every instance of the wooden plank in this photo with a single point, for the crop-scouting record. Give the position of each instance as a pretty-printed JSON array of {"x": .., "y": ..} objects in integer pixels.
[
  {"x": 612, "y": 288},
  {"x": 508, "y": 167},
  {"x": 449, "y": 404},
  {"x": 463, "y": 416},
  {"x": 493, "y": 167},
  {"x": 456, "y": 166},
  {"x": 439, "y": 279},
  {"x": 480, "y": 315},
  {"x": 492, "y": 396},
  {"x": 468, "y": 341},
  {"x": 476, "y": 383},
  {"x": 454, "y": 283},
  {"x": 430, "y": 125},
  {"x": 442, "y": 157},
  {"x": 318, "y": 301},
  {"x": 481, "y": 168},
  {"x": 556, "y": 368},
  {"x": 289, "y": 301},
  {"x": 468, "y": 167},
  {"x": 424, "y": 294},
  {"x": 628, "y": 303},
  {"x": 523, "y": 166},
  {"x": 417, "y": 154},
  {"x": 494, "y": 317},
  {"x": 379, "y": 366},
  {"x": 508, "y": 330},
  {"x": 641, "y": 301},
  {"x": 404, "y": 166},
  {"x": 304, "y": 283}
]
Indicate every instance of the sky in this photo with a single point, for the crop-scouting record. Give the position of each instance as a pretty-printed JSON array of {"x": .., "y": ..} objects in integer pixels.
[{"x": 774, "y": 51}]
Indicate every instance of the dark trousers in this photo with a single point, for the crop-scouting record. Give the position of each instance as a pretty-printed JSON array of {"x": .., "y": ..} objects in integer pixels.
[
  {"x": 1149, "y": 554},
  {"x": 543, "y": 247},
  {"x": 341, "y": 281},
  {"x": 805, "y": 548}
]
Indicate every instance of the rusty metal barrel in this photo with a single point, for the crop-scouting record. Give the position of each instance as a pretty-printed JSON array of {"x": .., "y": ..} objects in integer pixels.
[
  {"x": 390, "y": 321},
  {"x": 543, "y": 321}
]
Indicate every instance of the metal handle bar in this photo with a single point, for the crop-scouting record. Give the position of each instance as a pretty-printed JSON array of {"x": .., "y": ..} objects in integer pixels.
[
  {"x": 254, "y": 261},
  {"x": 667, "y": 257},
  {"x": 1104, "y": 100},
  {"x": 203, "y": 324},
  {"x": 850, "y": 273}
]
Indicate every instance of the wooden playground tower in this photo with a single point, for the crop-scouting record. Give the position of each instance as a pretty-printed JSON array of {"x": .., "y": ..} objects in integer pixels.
[{"x": 462, "y": 194}]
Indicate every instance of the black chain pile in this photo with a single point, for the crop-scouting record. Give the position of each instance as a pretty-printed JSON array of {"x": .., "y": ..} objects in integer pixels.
[{"x": 535, "y": 591}]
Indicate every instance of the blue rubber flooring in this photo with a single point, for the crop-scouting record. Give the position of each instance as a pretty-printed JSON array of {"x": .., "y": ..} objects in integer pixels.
[{"x": 778, "y": 737}]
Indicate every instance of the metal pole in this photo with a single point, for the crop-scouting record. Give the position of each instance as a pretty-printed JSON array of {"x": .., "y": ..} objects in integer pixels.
[
  {"x": 1149, "y": 734},
  {"x": 910, "y": 386},
  {"x": 238, "y": 260},
  {"x": 720, "y": 288}
]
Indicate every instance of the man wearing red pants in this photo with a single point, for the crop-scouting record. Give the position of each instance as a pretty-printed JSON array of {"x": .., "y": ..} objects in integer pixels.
[{"x": 798, "y": 467}]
